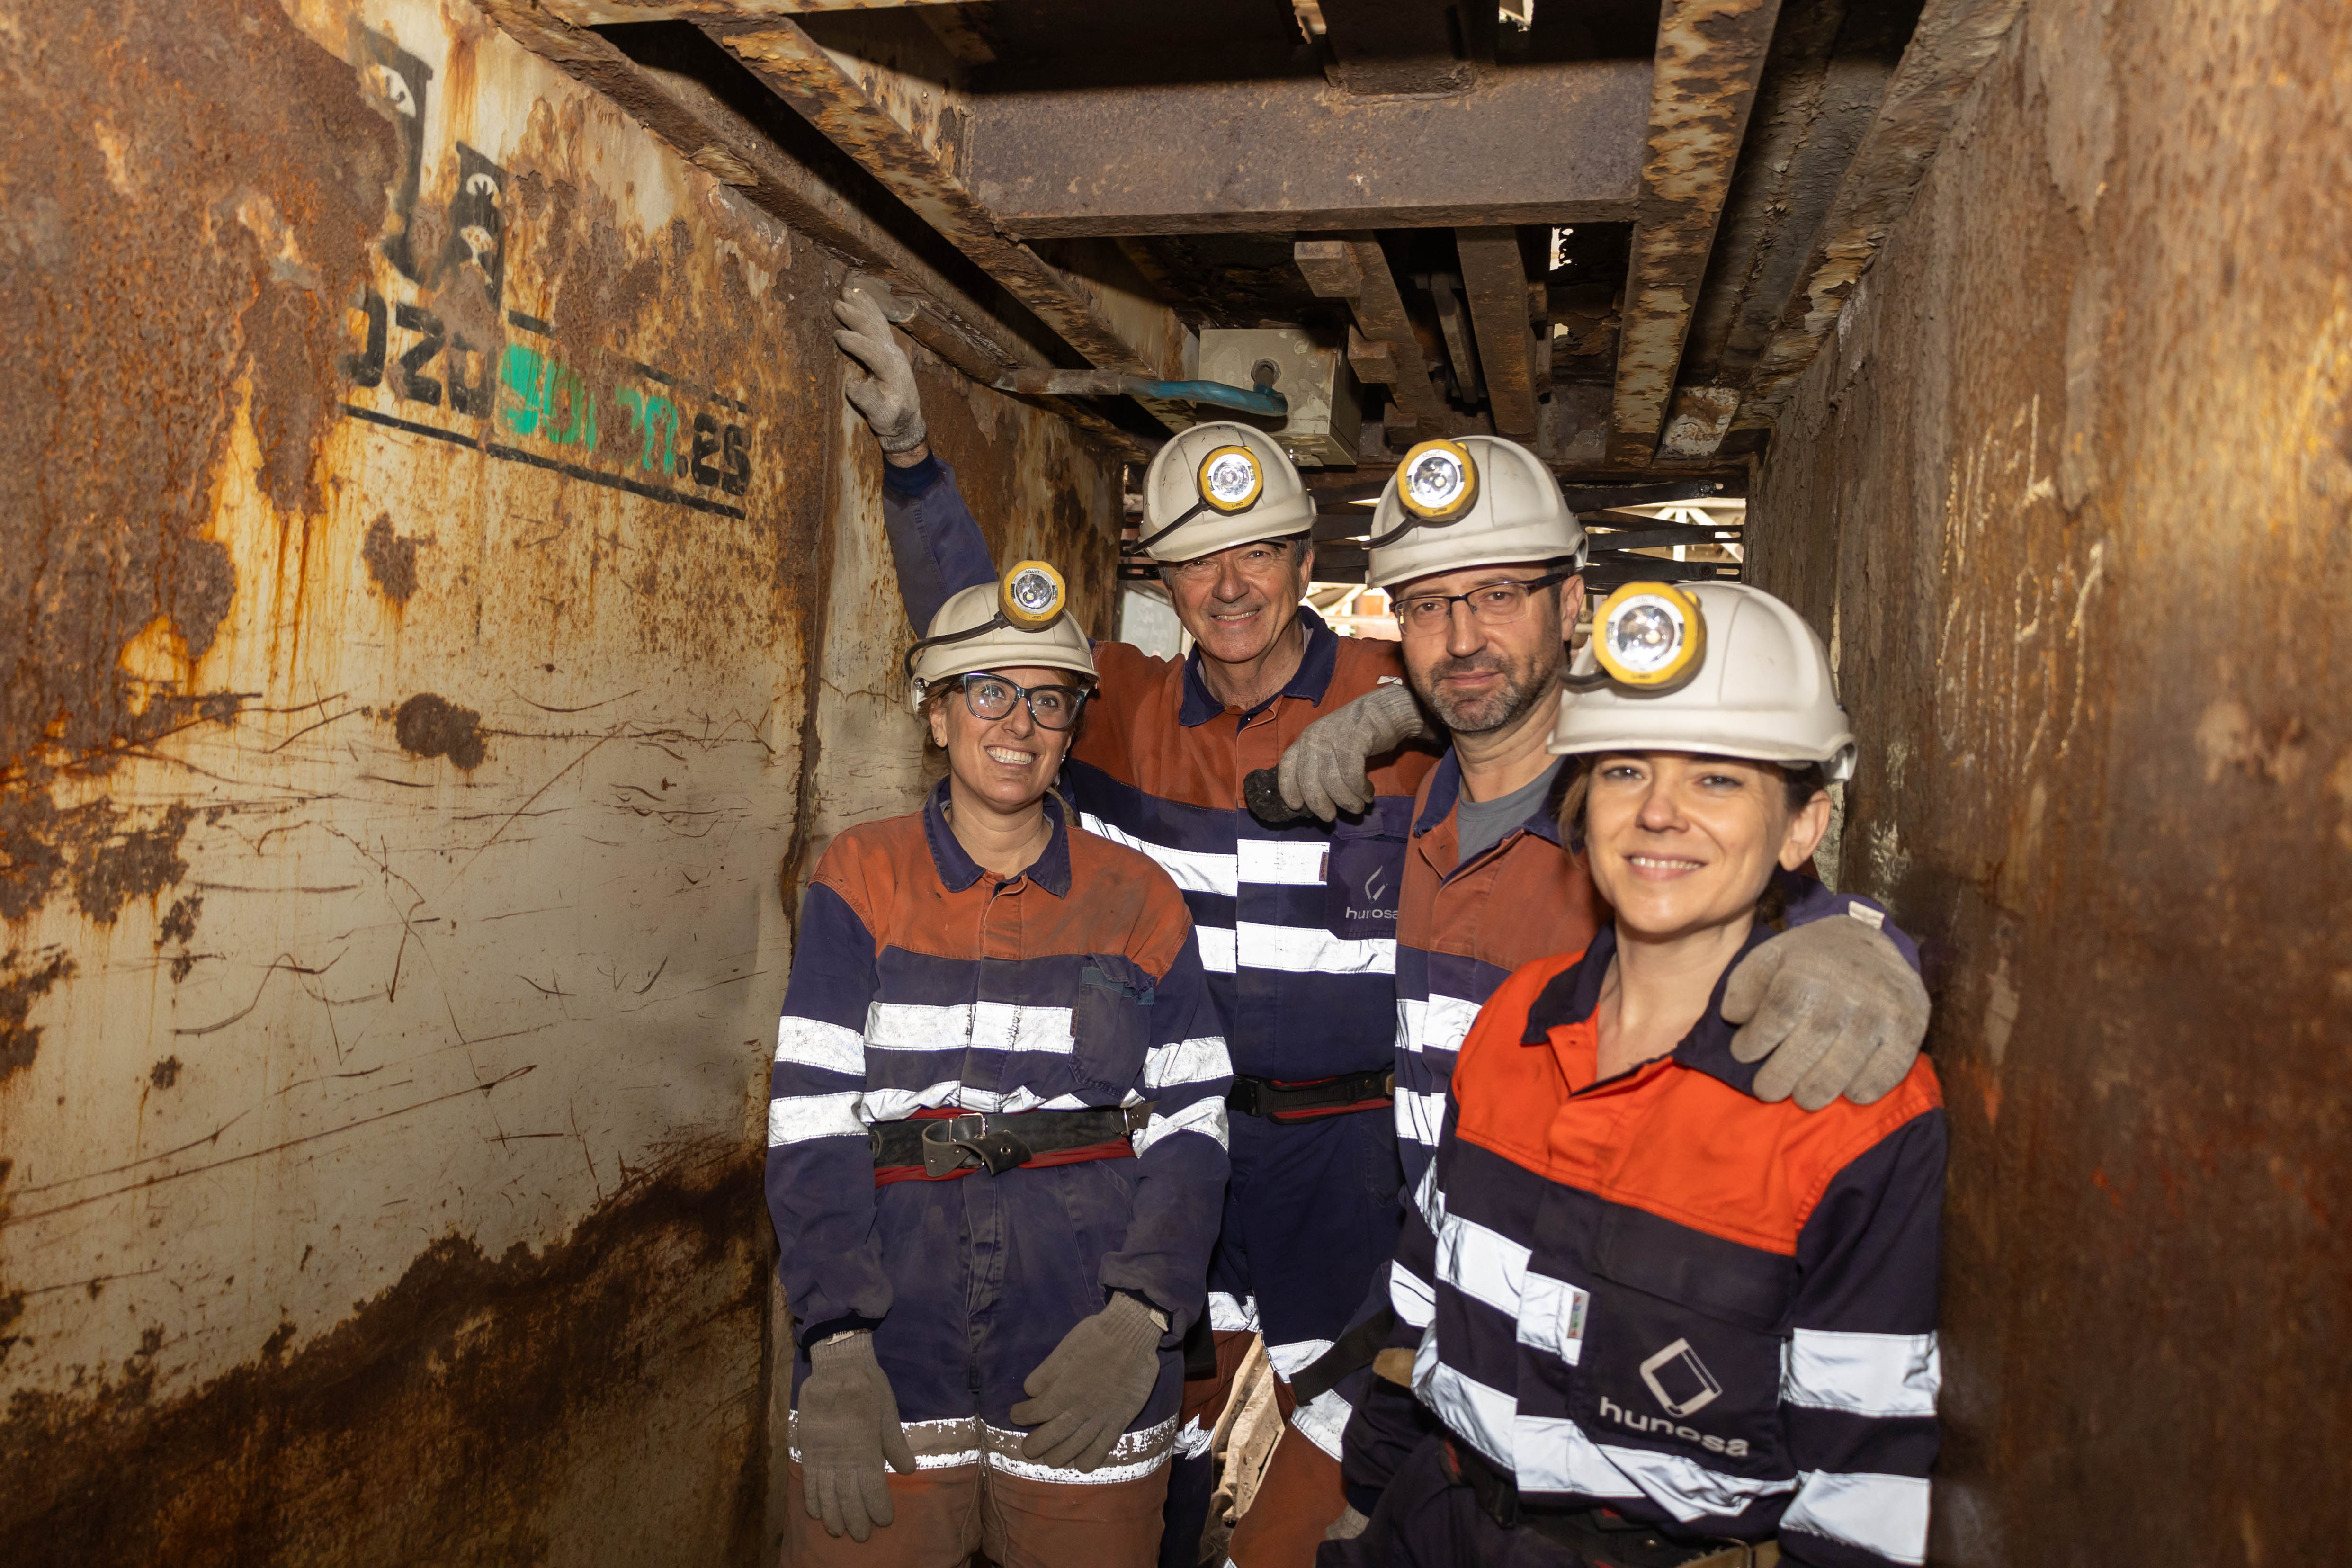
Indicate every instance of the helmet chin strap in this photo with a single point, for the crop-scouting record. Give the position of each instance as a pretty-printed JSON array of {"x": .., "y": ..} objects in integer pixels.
[
  {"x": 1195, "y": 509},
  {"x": 969, "y": 633}
]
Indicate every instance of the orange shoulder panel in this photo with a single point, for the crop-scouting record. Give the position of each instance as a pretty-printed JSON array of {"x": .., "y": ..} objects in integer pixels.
[
  {"x": 1666, "y": 1138},
  {"x": 867, "y": 865},
  {"x": 1122, "y": 901}
]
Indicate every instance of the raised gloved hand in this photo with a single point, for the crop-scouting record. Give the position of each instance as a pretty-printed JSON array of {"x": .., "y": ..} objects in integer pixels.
[
  {"x": 886, "y": 395},
  {"x": 1326, "y": 769},
  {"x": 848, "y": 1426},
  {"x": 1082, "y": 1396},
  {"x": 1828, "y": 1006}
]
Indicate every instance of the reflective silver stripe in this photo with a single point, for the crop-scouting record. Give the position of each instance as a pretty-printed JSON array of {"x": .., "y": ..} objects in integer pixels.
[
  {"x": 1135, "y": 1455},
  {"x": 1205, "y": 1116},
  {"x": 1187, "y": 1061},
  {"x": 1482, "y": 1264},
  {"x": 1194, "y": 870},
  {"x": 1886, "y": 1515},
  {"x": 1193, "y": 1440},
  {"x": 810, "y": 1044},
  {"x": 1291, "y": 1358},
  {"x": 1430, "y": 1199},
  {"x": 1281, "y": 863},
  {"x": 1551, "y": 1316},
  {"x": 1412, "y": 1297},
  {"x": 798, "y": 1118},
  {"x": 1685, "y": 1487},
  {"x": 1310, "y": 949},
  {"x": 1555, "y": 1455},
  {"x": 1480, "y": 1415},
  {"x": 1321, "y": 1420},
  {"x": 974, "y": 1025},
  {"x": 897, "y": 1104},
  {"x": 1216, "y": 945},
  {"x": 1868, "y": 1374},
  {"x": 1436, "y": 1024},
  {"x": 1228, "y": 1315},
  {"x": 937, "y": 1444},
  {"x": 1420, "y": 1117}
]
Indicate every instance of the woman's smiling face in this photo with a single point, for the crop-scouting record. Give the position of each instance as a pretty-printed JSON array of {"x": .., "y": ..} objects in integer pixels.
[
  {"x": 1007, "y": 761},
  {"x": 1679, "y": 842}
]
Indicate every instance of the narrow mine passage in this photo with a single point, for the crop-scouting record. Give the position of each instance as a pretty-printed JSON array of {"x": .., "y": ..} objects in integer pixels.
[{"x": 1343, "y": 781}]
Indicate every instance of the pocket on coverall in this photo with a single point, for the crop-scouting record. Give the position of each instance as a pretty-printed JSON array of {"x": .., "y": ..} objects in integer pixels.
[{"x": 1110, "y": 1023}]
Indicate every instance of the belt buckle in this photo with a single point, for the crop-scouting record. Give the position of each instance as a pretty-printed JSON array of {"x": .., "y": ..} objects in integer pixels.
[
  {"x": 1247, "y": 1096},
  {"x": 943, "y": 1142}
]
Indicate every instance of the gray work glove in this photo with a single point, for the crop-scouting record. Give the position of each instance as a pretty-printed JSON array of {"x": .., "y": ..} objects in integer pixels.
[
  {"x": 848, "y": 1426},
  {"x": 1347, "y": 1526},
  {"x": 1082, "y": 1396},
  {"x": 1325, "y": 771},
  {"x": 886, "y": 396},
  {"x": 1828, "y": 1006}
]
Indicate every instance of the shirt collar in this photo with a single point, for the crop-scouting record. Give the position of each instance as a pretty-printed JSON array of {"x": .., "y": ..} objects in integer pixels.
[
  {"x": 957, "y": 869},
  {"x": 1312, "y": 680},
  {"x": 1574, "y": 993},
  {"x": 1445, "y": 790}
]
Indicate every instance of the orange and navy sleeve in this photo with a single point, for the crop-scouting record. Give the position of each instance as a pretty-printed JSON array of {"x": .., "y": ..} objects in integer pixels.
[
  {"x": 820, "y": 1174},
  {"x": 936, "y": 545},
  {"x": 1181, "y": 1150},
  {"x": 1861, "y": 1371}
]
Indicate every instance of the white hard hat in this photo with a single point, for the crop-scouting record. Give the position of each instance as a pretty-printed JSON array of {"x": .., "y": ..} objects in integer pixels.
[
  {"x": 1219, "y": 485},
  {"x": 1474, "y": 500},
  {"x": 1718, "y": 668},
  {"x": 998, "y": 625}
]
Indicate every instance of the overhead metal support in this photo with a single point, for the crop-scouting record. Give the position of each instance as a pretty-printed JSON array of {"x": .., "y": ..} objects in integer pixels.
[
  {"x": 604, "y": 13},
  {"x": 1954, "y": 40},
  {"x": 715, "y": 138},
  {"x": 1380, "y": 347},
  {"x": 1495, "y": 278},
  {"x": 1710, "y": 55},
  {"x": 1550, "y": 144},
  {"x": 803, "y": 73}
]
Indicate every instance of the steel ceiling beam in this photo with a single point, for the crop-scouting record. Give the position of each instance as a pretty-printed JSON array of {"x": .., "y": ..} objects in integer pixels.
[
  {"x": 1710, "y": 56},
  {"x": 1381, "y": 347},
  {"x": 1552, "y": 143},
  {"x": 1496, "y": 282},
  {"x": 802, "y": 72}
]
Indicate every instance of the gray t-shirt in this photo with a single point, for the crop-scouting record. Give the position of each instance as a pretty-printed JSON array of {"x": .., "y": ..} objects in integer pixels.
[{"x": 1482, "y": 824}]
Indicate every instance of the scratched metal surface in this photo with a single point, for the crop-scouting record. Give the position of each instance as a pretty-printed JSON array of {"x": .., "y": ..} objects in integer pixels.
[
  {"x": 428, "y": 515},
  {"x": 2070, "y": 486}
]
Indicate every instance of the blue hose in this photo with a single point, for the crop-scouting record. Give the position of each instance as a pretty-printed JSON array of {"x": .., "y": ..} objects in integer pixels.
[{"x": 1257, "y": 400}]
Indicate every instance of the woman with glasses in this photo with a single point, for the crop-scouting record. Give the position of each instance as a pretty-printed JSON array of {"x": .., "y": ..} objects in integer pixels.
[{"x": 996, "y": 1142}]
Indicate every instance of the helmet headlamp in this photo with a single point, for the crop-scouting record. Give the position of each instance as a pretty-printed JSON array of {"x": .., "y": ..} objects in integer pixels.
[
  {"x": 1032, "y": 596},
  {"x": 1650, "y": 636},
  {"x": 1437, "y": 481},
  {"x": 1231, "y": 478}
]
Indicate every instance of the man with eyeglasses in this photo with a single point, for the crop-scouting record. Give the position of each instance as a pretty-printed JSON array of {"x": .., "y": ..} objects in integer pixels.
[{"x": 1482, "y": 558}]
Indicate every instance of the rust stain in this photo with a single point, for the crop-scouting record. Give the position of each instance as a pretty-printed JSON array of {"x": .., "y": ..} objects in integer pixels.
[
  {"x": 107, "y": 855},
  {"x": 391, "y": 558},
  {"x": 430, "y": 726},
  {"x": 504, "y": 1362},
  {"x": 25, "y": 979}
]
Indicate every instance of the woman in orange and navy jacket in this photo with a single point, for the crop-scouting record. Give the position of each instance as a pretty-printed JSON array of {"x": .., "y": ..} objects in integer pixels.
[
  {"x": 1664, "y": 1324},
  {"x": 996, "y": 1142}
]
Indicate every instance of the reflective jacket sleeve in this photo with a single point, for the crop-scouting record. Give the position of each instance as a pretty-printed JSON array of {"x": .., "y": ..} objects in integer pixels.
[
  {"x": 936, "y": 547},
  {"x": 820, "y": 1162},
  {"x": 1180, "y": 1152},
  {"x": 1861, "y": 1371}
]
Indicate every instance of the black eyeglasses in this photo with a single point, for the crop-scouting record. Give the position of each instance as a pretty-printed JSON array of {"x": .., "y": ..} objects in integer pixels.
[
  {"x": 1495, "y": 604},
  {"x": 992, "y": 697}
]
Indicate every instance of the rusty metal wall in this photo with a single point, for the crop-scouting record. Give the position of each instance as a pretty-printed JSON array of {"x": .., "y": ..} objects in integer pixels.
[
  {"x": 2071, "y": 489},
  {"x": 442, "y": 608}
]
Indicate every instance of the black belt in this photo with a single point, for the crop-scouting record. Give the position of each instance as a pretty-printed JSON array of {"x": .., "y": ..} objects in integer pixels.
[
  {"x": 1358, "y": 1347},
  {"x": 996, "y": 1142},
  {"x": 1598, "y": 1537},
  {"x": 1279, "y": 1101}
]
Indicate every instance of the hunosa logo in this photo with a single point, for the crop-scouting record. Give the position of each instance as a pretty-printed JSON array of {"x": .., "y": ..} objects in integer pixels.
[
  {"x": 1376, "y": 888},
  {"x": 1681, "y": 1383}
]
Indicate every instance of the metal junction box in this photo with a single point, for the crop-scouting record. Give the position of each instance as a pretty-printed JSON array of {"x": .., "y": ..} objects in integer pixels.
[{"x": 1326, "y": 412}]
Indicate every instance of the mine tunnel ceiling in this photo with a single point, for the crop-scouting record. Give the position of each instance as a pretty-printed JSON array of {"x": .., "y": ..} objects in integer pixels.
[{"x": 1614, "y": 229}]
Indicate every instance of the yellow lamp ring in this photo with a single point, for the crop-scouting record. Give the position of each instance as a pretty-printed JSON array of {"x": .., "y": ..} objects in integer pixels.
[
  {"x": 1231, "y": 479},
  {"x": 1437, "y": 481},
  {"x": 1033, "y": 595},
  {"x": 1651, "y": 637}
]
